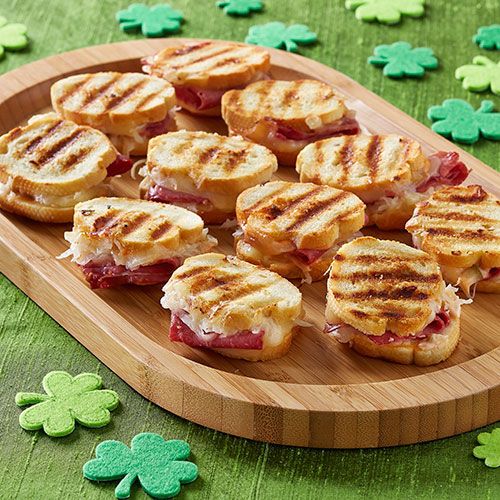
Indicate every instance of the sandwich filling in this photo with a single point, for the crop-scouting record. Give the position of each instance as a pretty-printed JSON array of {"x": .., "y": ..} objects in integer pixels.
[
  {"x": 105, "y": 264},
  {"x": 446, "y": 169},
  {"x": 434, "y": 333}
]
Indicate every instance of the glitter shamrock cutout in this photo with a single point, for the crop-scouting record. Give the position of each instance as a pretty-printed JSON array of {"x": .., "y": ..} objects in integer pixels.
[
  {"x": 490, "y": 447},
  {"x": 68, "y": 399},
  {"x": 152, "y": 21},
  {"x": 385, "y": 11},
  {"x": 12, "y": 36},
  {"x": 159, "y": 465},
  {"x": 488, "y": 37},
  {"x": 482, "y": 74},
  {"x": 400, "y": 59},
  {"x": 277, "y": 35},
  {"x": 458, "y": 119},
  {"x": 240, "y": 7}
]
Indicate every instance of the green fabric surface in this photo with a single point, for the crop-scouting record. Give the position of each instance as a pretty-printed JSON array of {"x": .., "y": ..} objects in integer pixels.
[{"x": 35, "y": 466}]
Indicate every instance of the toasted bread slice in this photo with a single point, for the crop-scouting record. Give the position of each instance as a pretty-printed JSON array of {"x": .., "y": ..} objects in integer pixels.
[
  {"x": 285, "y": 116},
  {"x": 366, "y": 165},
  {"x": 115, "y": 103},
  {"x": 212, "y": 166},
  {"x": 377, "y": 286},
  {"x": 307, "y": 215},
  {"x": 135, "y": 232},
  {"x": 228, "y": 296},
  {"x": 460, "y": 227},
  {"x": 49, "y": 165},
  {"x": 209, "y": 64}
]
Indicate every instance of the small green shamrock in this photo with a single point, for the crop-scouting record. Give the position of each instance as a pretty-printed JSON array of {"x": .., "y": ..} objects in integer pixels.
[
  {"x": 153, "y": 21},
  {"x": 490, "y": 447},
  {"x": 277, "y": 35},
  {"x": 488, "y": 37},
  {"x": 68, "y": 399},
  {"x": 385, "y": 11},
  {"x": 400, "y": 59},
  {"x": 159, "y": 465},
  {"x": 458, "y": 119},
  {"x": 480, "y": 75},
  {"x": 240, "y": 7},
  {"x": 12, "y": 36}
]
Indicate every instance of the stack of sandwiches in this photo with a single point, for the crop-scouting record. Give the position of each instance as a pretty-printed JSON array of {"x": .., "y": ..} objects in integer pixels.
[
  {"x": 204, "y": 172},
  {"x": 233, "y": 307},
  {"x": 295, "y": 229},
  {"x": 119, "y": 241},
  {"x": 202, "y": 72},
  {"x": 388, "y": 300},
  {"x": 390, "y": 173},
  {"x": 460, "y": 227},
  {"x": 50, "y": 165},
  {"x": 130, "y": 108},
  {"x": 286, "y": 116}
]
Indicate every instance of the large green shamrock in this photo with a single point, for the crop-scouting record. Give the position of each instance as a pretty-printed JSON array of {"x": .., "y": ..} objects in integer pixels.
[
  {"x": 240, "y": 7},
  {"x": 480, "y": 75},
  {"x": 277, "y": 35},
  {"x": 385, "y": 11},
  {"x": 153, "y": 21},
  {"x": 159, "y": 465},
  {"x": 68, "y": 399},
  {"x": 12, "y": 36},
  {"x": 490, "y": 447},
  {"x": 458, "y": 119},
  {"x": 488, "y": 37},
  {"x": 400, "y": 59}
]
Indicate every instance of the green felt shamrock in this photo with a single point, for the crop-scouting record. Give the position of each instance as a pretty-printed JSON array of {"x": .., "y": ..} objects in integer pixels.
[
  {"x": 490, "y": 447},
  {"x": 12, "y": 36},
  {"x": 159, "y": 465},
  {"x": 400, "y": 59},
  {"x": 152, "y": 21},
  {"x": 480, "y": 75},
  {"x": 68, "y": 399},
  {"x": 488, "y": 37},
  {"x": 385, "y": 11},
  {"x": 240, "y": 7},
  {"x": 277, "y": 35},
  {"x": 458, "y": 119}
]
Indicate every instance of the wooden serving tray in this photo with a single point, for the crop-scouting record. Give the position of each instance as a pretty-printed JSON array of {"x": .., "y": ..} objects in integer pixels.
[{"x": 321, "y": 394}]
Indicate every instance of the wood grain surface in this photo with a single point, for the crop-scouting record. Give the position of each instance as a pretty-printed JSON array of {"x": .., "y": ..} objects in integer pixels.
[{"x": 321, "y": 394}]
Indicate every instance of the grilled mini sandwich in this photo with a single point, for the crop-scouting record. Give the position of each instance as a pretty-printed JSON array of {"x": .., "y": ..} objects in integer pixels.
[
  {"x": 235, "y": 308},
  {"x": 295, "y": 229},
  {"x": 204, "y": 172},
  {"x": 460, "y": 227},
  {"x": 388, "y": 300},
  {"x": 50, "y": 164},
  {"x": 129, "y": 107},
  {"x": 202, "y": 71},
  {"x": 287, "y": 116},
  {"x": 118, "y": 241},
  {"x": 390, "y": 173}
]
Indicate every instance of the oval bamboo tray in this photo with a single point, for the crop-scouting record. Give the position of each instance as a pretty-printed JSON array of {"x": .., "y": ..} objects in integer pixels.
[{"x": 321, "y": 394}]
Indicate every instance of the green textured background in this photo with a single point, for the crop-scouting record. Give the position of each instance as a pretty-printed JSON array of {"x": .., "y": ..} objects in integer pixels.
[{"x": 31, "y": 344}]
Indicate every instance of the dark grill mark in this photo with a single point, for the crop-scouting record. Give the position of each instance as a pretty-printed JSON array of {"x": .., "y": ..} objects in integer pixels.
[
  {"x": 405, "y": 293},
  {"x": 44, "y": 157},
  {"x": 104, "y": 223},
  {"x": 115, "y": 101},
  {"x": 234, "y": 289},
  {"x": 161, "y": 230},
  {"x": 15, "y": 133},
  {"x": 477, "y": 195},
  {"x": 390, "y": 275},
  {"x": 272, "y": 212},
  {"x": 208, "y": 154},
  {"x": 92, "y": 96},
  {"x": 191, "y": 273},
  {"x": 289, "y": 95},
  {"x": 345, "y": 158},
  {"x": 133, "y": 223},
  {"x": 205, "y": 57},
  {"x": 372, "y": 155},
  {"x": 316, "y": 208},
  {"x": 229, "y": 60},
  {"x": 370, "y": 259},
  {"x": 69, "y": 161},
  {"x": 467, "y": 234},
  {"x": 205, "y": 282},
  {"x": 145, "y": 99},
  {"x": 36, "y": 141},
  {"x": 272, "y": 199},
  {"x": 456, "y": 216},
  {"x": 187, "y": 49},
  {"x": 234, "y": 158}
]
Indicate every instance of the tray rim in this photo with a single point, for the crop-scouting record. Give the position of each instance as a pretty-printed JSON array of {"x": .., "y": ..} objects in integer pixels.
[{"x": 41, "y": 71}]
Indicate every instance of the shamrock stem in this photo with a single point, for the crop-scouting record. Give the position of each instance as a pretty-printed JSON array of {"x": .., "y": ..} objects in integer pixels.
[
  {"x": 486, "y": 107},
  {"x": 125, "y": 485},
  {"x": 30, "y": 398}
]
